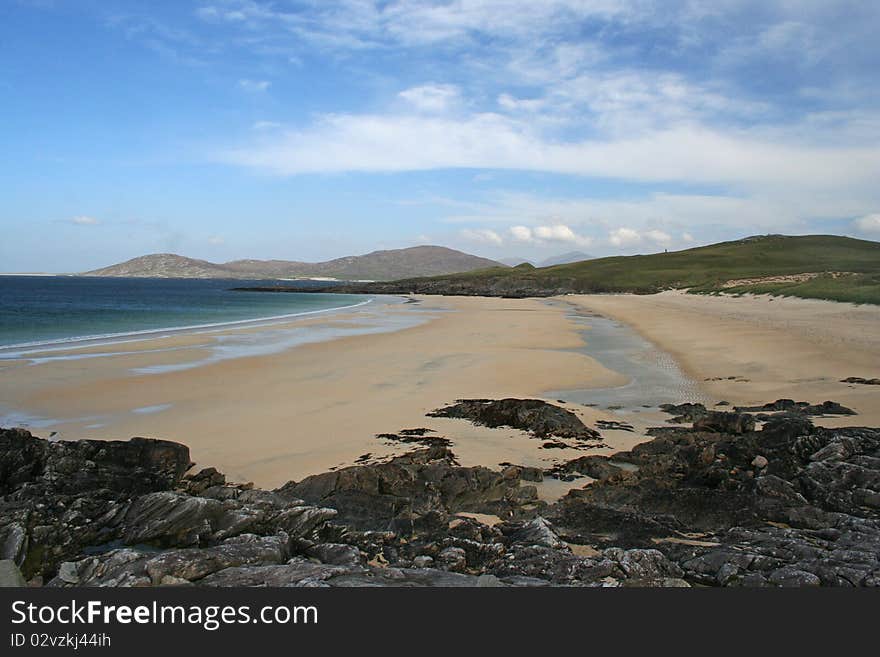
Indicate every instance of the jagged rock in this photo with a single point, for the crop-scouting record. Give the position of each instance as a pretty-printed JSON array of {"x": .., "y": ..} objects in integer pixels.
[
  {"x": 821, "y": 484},
  {"x": 802, "y": 408},
  {"x": 686, "y": 412},
  {"x": 453, "y": 559},
  {"x": 138, "y": 567},
  {"x": 523, "y": 472},
  {"x": 406, "y": 490},
  {"x": 203, "y": 480},
  {"x": 335, "y": 553},
  {"x": 860, "y": 380},
  {"x": 716, "y": 504},
  {"x": 171, "y": 520},
  {"x": 533, "y": 532},
  {"x": 594, "y": 466},
  {"x": 130, "y": 467},
  {"x": 539, "y": 418},
  {"x": 722, "y": 422}
]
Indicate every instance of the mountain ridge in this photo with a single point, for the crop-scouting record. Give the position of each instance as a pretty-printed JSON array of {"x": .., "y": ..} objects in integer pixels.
[{"x": 383, "y": 265}]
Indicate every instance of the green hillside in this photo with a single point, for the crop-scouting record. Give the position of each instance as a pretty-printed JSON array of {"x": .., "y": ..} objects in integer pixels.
[{"x": 841, "y": 268}]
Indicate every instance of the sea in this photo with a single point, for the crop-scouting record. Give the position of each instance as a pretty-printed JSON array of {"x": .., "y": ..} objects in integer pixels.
[{"x": 38, "y": 311}]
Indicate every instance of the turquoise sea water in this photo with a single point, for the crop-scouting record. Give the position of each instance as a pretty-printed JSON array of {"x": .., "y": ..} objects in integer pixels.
[{"x": 37, "y": 310}]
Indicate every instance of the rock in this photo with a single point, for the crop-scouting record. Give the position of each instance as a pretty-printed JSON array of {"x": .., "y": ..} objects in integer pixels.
[
  {"x": 684, "y": 412},
  {"x": 335, "y": 553},
  {"x": 533, "y": 532},
  {"x": 523, "y": 472},
  {"x": 594, "y": 466},
  {"x": 802, "y": 408},
  {"x": 453, "y": 559},
  {"x": 171, "y": 520},
  {"x": 723, "y": 422},
  {"x": 790, "y": 505},
  {"x": 131, "y": 467},
  {"x": 203, "y": 479},
  {"x": 10, "y": 575},
  {"x": 539, "y": 418},
  {"x": 862, "y": 381},
  {"x": 137, "y": 567},
  {"x": 821, "y": 486},
  {"x": 406, "y": 489}
]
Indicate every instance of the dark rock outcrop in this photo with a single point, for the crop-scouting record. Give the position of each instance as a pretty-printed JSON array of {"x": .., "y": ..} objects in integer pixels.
[
  {"x": 792, "y": 504},
  {"x": 861, "y": 380},
  {"x": 717, "y": 504},
  {"x": 722, "y": 422},
  {"x": 802, "y": 408},
  {"x": 539, "y": 418},
  {"x": 409, "y": 490}
]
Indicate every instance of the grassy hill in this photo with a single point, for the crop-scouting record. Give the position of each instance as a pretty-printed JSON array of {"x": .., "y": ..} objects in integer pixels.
[{"x": 831, "y": 267}]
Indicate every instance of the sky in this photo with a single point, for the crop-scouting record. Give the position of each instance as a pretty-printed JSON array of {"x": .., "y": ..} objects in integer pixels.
[{"x": 314, "y": 129}]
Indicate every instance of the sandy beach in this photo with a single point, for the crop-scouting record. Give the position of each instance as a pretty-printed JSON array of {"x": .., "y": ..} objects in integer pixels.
[
  {"x": 750, "y": 350},
  {"x": 273, "y": 418},
  {"x": 280, "y": 416}
]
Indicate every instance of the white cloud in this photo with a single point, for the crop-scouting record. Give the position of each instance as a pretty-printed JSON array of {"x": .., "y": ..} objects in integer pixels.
[
  {"x": 868, "y": 224},
  {"x": 254, "y": 86},
  {"x": 540, "y": 235},
  {"x": 508, "y": 102},
  {"x": 687, "y": 238},
  {"x": 624, "y": 237},
  {"x": 431, "y": 97},
  {"x": 216, "y": 240},
  {"x": 85, "y": 221},
  {"x": 265, "y": 125},
  {"x": 482, "y": 235},
  {"x": 389, "y": 143},
  {"x": 522, "y": 233},
  {"x": 658, "y": 236},
  {"x": 560, "y": 233}
]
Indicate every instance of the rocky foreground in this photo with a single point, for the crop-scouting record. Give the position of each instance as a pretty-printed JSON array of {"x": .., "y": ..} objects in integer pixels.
[{"x": 720, "y": 503}]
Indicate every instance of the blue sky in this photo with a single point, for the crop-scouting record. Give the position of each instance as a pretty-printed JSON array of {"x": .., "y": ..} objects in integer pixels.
[{"x": 312, "y": 129}]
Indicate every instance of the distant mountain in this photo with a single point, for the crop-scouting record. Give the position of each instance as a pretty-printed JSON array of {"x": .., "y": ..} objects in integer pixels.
[
  {"x": 513, "y": 262},
  {"x": 375, "y": 266},
  {"x": 565, "y": 258}
]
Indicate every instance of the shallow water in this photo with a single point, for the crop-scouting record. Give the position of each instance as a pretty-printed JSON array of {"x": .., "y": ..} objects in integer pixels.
[
  {"x": 37, "y": 311},
  {"x": 654, "y": 377}
]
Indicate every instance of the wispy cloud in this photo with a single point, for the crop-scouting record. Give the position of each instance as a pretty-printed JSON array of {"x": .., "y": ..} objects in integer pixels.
[
  {"x": 83, "y": 220},
  {"x": 432, "y": 97},
  {"x": 868, "y": 224},
  {"x": 482, "y": 236},
  {"x": 388, "y": 143},
  {"x": 254, "y": 86}
]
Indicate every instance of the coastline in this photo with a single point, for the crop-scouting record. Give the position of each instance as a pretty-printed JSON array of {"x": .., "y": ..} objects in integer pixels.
[
  {"x": 299, "y": 406},
  {"x": 275, "y": 417}
]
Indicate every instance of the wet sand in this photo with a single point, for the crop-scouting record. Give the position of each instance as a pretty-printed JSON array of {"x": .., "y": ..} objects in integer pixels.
[
  {"x": 264, "y": 404},
  {"x": 281, "y": 416},
  {"x": 750, "y": 350}
]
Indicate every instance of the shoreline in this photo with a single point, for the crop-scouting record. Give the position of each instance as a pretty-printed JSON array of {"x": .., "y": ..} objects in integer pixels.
[
  {"x": 313, "y": 407},
  {"x": 109, "y": 339},
  {"x": 318, "y": 406},
  {"x": 750, "y": 349}
]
